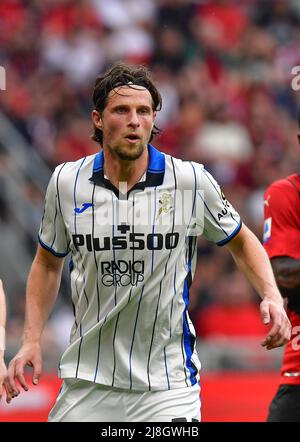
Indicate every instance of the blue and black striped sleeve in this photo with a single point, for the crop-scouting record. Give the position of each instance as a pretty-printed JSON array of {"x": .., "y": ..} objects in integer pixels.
[
  {"x": 52, "y": 233},
  {"x": 217, "y": 218}
]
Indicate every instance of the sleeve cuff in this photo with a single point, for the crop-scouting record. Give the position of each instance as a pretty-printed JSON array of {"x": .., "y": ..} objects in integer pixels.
[
  {"x": 59, "y": 255},
  {"x": 231, "y": 236}
]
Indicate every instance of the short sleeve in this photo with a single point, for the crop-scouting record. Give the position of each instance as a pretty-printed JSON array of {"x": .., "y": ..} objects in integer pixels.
[
  {"x": 53, "y": 233},
  {"x": 281, "y": 235},
  {"x": 216, "y": 217}
]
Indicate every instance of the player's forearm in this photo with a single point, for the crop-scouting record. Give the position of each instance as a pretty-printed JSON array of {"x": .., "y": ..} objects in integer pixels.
[
  {"x": 253, "y": 261},
  {"x": 41, "y": 292}
]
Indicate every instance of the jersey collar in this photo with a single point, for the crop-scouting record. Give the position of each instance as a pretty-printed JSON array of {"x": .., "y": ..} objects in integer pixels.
[{"x": 154, "y": 176}]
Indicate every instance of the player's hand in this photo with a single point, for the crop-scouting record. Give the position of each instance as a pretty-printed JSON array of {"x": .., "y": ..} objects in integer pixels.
[
  {"x": 28, "y": 355},
  {"x": 3, "y": 374},
  {"x": 280, "y": 333}
]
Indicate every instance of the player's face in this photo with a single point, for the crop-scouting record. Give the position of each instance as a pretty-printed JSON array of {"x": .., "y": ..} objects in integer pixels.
[{"x": 127, "y": 121}]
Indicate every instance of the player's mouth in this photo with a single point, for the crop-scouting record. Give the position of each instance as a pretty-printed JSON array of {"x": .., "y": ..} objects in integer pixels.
[{"x": 132, "y": 138}]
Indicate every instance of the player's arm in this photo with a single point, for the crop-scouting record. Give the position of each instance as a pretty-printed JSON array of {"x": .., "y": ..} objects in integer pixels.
[
  {"x": 3, "y": 371},
  {"x": 253, "y": 261},
  {"x": 41, "y": 292}
]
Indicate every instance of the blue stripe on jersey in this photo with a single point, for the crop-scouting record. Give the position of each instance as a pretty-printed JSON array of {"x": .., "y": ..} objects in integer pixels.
[
  {"x": 74, "y": 192},
  {"x": 97, "y": 286},
  {"x": 57, "y": 189},
  {"x": 195, "y": 183},
  {"x": 186, "y": 330},
  {"x": 75, "y": 225},
  {"x": 95, "y": 258},
  {"x": 235, "y": 232},
  {"x": 155, "y": 171},
  {"x": 56, "y": 209},
  {"x": 117, "y": 320},
  {"x": 98, "y": 162},
  {"x": 41, "y": 230},
  {"x": 187, "y": 334},
  {"x": 51, "y": 247},
  {"x": 132, "y": 343},
  {"x": 98, "y": 352},
  {"x": 132, "y": 226},
  {"x": 75, "y": 229},
  {"x": 113, "y": 234},
  {"x": 171, "y": 312},
  {"x": 153, "y": 224},
  {"x": 166, "y": 367},
  {"x": 71, "y": 265},
  {"x": 79, "y": 350},
  {"x": 195, "y": 190},
  {"x": 157, "y": 162}
]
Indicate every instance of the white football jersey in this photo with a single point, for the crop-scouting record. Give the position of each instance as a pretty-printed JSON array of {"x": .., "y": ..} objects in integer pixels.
[{"x": 133, "y": 256}]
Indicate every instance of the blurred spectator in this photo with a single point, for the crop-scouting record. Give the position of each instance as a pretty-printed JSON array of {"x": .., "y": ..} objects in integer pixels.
[
  {"x": 222, "y": 138},
  {"x": 279, "y": 18},
  {"x": 170, "y": 49},
  {"x": 79, "y": 55},
  {"x": 233, "y": 313}
]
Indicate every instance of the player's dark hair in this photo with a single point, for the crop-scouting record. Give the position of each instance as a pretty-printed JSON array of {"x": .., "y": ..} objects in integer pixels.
[{"x": 123, "y": 75}]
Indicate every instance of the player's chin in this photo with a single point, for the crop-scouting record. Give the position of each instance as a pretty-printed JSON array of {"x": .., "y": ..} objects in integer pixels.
[{"x": 132, "y": 152}]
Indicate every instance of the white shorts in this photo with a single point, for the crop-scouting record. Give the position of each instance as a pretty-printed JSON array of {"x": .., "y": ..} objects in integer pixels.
[{"x": 84, "y": 401}]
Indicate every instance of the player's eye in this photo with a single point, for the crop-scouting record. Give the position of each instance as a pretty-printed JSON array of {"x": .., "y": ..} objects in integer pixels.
[
  {"x": 144, "y": 111},
  {"x": 121, "y": 110}
]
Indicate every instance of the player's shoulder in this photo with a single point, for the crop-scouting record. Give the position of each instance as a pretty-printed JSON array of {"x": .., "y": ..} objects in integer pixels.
[
  {"x": 185, "y": 164},
  {"x": 284, "y": 185},
  {"x": 188, "y": 171},
  {"x": 71, "y": 167}
]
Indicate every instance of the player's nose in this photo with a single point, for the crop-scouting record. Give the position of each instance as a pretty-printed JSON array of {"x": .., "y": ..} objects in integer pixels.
[{"x": 134, "y": 119}]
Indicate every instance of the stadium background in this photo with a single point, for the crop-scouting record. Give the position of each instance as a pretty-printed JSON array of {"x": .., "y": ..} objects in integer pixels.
[{"x": 224, "y": 70}]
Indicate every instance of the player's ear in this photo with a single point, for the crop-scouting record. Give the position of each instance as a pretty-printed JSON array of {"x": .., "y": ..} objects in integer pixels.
[
  {"x": 153, "y": 123},
  {"x": 97, "y": 120},
  {"x": 298, "y": 139}
]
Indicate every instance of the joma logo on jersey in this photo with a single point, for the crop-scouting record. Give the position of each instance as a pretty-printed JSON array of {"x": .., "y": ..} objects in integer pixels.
[
  {"x": 136, "y": 241},
  {"x": 122, "y": 273}
]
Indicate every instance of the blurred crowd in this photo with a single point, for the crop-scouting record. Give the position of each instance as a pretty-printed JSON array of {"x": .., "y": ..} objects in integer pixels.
[{"x": 224, "y": 70}]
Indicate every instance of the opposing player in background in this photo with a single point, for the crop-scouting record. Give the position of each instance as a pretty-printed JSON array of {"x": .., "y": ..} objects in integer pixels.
[
  {"x": 282, "y": 243},
  {"x": 3, "y": 371},
  {"x": 130, "y": 216}
]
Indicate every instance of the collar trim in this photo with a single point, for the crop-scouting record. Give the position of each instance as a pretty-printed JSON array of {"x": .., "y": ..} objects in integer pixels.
[{"x": 154, "y": 176}]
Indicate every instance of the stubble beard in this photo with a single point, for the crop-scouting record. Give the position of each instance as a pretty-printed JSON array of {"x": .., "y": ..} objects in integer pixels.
[{"x": 130, "y": 153}]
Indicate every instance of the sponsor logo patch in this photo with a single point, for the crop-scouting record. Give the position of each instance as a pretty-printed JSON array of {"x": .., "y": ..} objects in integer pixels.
[
  {"x": 267, "y": 229},
  {"x": 82, "y": 208}
]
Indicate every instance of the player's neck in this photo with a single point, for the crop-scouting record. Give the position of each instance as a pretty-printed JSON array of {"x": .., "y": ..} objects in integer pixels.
[{"x": 120, "y": 171}]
